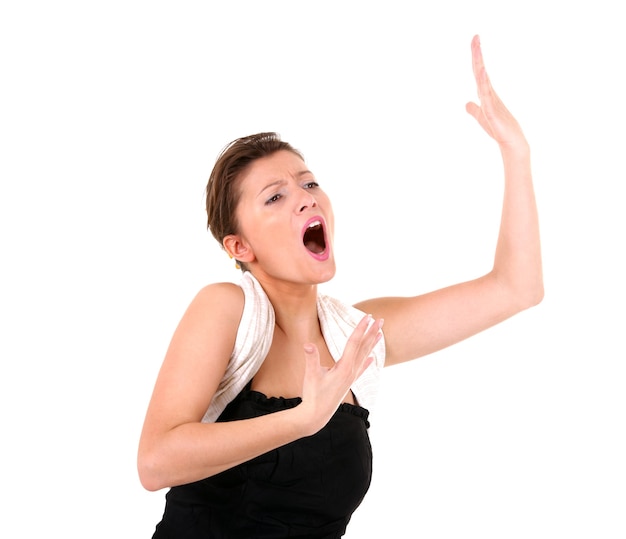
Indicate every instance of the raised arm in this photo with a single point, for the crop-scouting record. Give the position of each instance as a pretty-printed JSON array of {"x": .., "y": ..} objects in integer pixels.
[{"x": 420, "y": 325}]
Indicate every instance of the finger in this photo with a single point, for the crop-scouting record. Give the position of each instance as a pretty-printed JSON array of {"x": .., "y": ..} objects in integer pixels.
[
  {"x": 480, "y": 73},
  {"x": 311, "y": 358},
  {"x": 363, "y": 325},
  {"x": 475, "y": 46},
  {"x": 359, "y": 344},
  {"x": 474, "y": 110},
  {"x": 478, "y": 65},
  {"x": 358, "y": 333},
  {"x": 367, "y": 344},
  {"x": 366, "y": 364},
  {"x": 373, "y": 335},
  {"x": 365, "y": 331}
]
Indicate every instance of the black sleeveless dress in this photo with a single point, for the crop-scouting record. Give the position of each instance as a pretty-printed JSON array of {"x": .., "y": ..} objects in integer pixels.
[{"x": 307, "y": 489}]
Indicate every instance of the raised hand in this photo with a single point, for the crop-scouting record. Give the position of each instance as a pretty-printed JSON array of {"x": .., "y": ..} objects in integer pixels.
[
  {"x": 324, "y": 388},
  {"x": 491, "y": 113}
]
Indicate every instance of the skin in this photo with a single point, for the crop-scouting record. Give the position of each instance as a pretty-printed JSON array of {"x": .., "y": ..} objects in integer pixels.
[{"x": 279, "y": 196}]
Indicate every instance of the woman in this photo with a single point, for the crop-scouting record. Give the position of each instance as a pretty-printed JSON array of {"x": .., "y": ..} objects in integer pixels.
[{"x": 258, "y": 420}]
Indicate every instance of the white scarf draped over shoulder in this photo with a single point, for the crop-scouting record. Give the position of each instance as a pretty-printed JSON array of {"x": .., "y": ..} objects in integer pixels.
[{"x": 254, "y": 338}]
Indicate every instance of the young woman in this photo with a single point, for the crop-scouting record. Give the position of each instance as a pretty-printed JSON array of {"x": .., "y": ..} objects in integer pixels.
[{"x": 258, "y": 420}]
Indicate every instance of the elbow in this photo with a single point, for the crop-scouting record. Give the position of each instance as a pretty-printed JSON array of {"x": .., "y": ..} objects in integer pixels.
[
  {"x": 149, "y": 482},
  {"x": 531, "y": 295},
  {"x": 520, "y": 294},
  {"x": 536, "y": 291},
  {"x": 538, "y": 297},
  {"x": 148, "y": 470}
]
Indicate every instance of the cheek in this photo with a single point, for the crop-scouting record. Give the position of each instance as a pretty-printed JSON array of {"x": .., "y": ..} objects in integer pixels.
[
  {"x": 248, "y": 229},
  {"x": 262, "y": 234},
  {"x": 330, "y": 219}
]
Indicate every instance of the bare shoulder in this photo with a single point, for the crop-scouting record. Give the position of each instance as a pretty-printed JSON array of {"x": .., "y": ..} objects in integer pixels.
[
  {"x": 212, "y": 318},
  {"x": 198, "y": 353},
  {"x": 218, "y": 300}
]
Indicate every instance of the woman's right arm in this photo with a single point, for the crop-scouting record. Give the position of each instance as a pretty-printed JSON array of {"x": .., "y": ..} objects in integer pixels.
[{"x": 177, "y": 448}]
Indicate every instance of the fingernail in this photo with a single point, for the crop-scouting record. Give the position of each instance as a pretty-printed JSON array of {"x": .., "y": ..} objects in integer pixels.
[{"x": 308, "y": 348}]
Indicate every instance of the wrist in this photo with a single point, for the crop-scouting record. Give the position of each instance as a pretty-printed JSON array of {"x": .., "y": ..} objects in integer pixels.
[
  {"x": 306, "y": 421},
  {"x": 518, "y": 150}
]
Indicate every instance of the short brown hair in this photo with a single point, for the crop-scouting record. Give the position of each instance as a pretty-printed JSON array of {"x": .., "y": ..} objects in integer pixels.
[{"x": 222, "y": 193}]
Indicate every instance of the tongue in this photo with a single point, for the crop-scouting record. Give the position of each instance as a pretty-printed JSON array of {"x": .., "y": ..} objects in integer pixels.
[
  {"x": 314, "y": 247},
  {"x": 314, "y": 239}
]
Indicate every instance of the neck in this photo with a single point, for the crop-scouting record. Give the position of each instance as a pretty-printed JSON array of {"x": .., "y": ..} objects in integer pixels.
[{"x": 295, "y": 307}]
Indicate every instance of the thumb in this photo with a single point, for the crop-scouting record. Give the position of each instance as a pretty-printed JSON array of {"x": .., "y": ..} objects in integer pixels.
[
  {"x": 473, "y": 109},
  {"x": 311, "y": 361},
  {"x": 311, "y": 355}
]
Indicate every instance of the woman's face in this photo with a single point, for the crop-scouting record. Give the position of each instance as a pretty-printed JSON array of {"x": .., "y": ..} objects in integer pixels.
[{"x": 286, "y": 221}]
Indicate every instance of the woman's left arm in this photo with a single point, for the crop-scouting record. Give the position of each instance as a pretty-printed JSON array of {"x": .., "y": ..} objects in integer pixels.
[{"x": 416, "y": 326}]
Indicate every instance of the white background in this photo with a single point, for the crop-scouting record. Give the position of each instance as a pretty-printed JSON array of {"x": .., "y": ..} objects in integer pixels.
[{"x": 112, "y": 114}]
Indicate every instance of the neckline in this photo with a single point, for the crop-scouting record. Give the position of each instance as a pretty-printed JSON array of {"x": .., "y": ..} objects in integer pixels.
[{"x": 292, "y": 402}]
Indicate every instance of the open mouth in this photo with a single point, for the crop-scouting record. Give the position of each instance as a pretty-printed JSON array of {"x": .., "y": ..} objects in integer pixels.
[{"x": 314, "y": 239}]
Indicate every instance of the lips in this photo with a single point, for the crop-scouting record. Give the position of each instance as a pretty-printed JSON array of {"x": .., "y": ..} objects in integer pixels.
[{"x": 314, "y": 237}]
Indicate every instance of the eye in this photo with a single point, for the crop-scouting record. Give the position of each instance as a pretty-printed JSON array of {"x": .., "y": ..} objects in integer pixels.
[
  {"x": 311, "y": 185},
  {"x": 273, "y": 199}
]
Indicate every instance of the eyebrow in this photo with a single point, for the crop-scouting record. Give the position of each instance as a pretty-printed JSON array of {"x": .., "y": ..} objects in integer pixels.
[{"x": 282, "y": 182}]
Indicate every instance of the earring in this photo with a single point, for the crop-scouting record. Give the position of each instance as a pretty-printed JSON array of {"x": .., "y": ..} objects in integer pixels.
[{"x": 237, "y": 266}]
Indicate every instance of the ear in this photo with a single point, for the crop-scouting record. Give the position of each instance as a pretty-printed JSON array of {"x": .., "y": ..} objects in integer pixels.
[{"x": 238, "y": 248}]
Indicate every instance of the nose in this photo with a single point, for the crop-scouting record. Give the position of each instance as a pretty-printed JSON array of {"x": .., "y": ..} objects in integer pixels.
[{"x": 308, "y": 201}]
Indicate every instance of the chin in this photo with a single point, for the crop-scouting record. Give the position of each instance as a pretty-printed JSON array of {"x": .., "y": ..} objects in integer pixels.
[
  {"x": 325, "y": 279},
  {"x": 326, "y": 273}
]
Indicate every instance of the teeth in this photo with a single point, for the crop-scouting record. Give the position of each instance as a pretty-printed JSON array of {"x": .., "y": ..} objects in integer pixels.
[{"x": 314, "y": 224}]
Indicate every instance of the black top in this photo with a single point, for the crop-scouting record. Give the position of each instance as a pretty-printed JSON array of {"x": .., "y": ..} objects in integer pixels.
[{"x": 308, "y": 488}]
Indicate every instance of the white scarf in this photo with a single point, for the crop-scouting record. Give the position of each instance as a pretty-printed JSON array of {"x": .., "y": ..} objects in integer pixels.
[{"x": 254, "y": 338}]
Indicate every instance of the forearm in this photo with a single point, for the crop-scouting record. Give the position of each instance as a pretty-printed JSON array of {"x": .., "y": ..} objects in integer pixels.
[
  {"x": 193, "y": 451},
  {"x": 175, "y": 448},
  {"x": 517, "y": 263}
]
